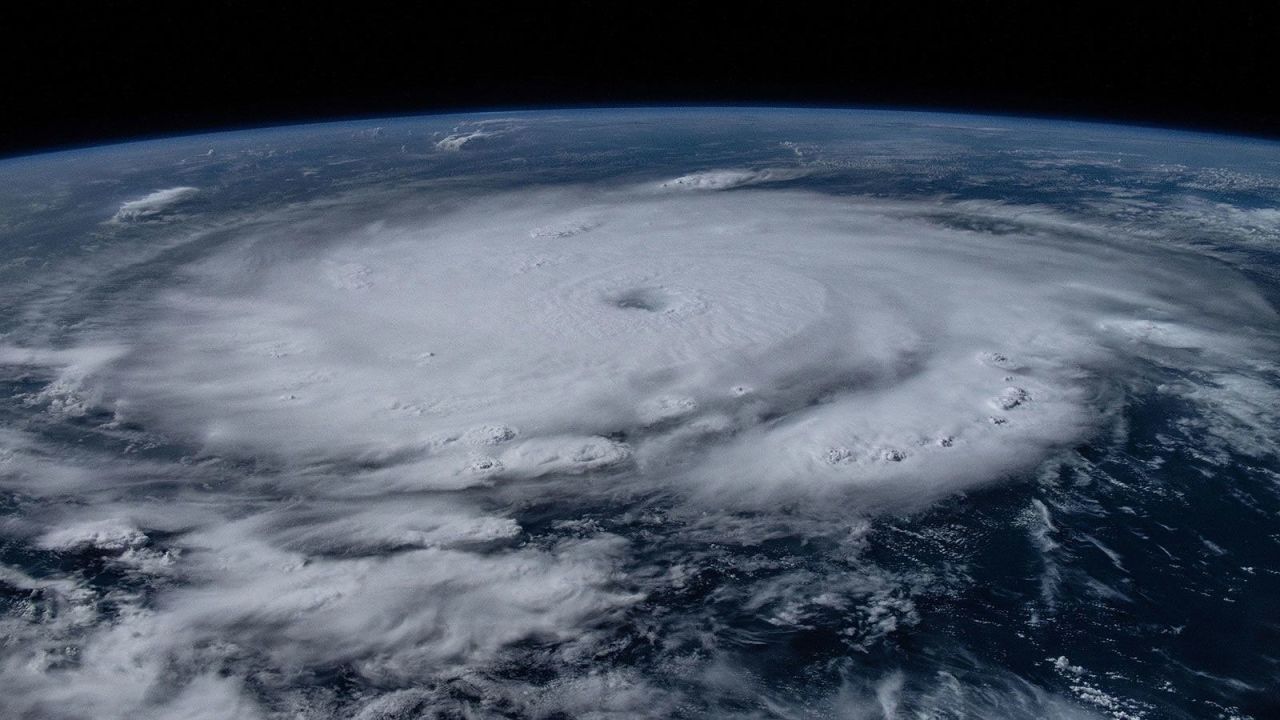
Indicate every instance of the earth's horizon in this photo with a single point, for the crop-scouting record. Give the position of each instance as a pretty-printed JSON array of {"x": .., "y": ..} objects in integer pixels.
[{"x": 669, "y": 412}]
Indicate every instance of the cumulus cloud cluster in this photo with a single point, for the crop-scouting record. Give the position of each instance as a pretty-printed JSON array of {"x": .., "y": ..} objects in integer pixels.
[
  {"x": 365, "y": 409},
  {"x": 727, "y": 179},
  {"x": 469, "y": 132},
  {"x": 153, "y": 205}
]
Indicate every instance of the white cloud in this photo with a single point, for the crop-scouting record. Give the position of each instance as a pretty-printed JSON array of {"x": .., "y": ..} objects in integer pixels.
[
  {"x": 864, "y": 331},
  {"x": 111, "y": 534},
  {"x": 407, "y": 616},
  {"x": 153, "y": 205},
  {"x": 455, "y": 141},
  {"x": 469, "y": 132},
  {"x": 728, "y": 179}
]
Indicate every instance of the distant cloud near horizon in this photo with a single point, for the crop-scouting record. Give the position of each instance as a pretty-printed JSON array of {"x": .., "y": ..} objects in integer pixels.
[
  {"x": 153, "y": 205},
  {"x": 469, "y": 132},
  {"x": 727, "y": 179}
]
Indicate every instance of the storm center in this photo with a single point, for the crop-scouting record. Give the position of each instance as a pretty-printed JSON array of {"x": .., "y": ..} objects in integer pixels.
[{"x": 645, "y": 299}]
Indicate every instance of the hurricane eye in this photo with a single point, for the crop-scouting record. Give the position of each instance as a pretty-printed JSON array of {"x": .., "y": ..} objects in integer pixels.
[{"x": 644, "y": 299}]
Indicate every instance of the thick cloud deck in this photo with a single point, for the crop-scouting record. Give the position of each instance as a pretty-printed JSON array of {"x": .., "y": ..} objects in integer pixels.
[{"x": 754, "y": 343}]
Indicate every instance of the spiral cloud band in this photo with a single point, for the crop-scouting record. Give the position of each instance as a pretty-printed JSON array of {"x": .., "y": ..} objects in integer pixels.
[{"x": 769, "y": 346}]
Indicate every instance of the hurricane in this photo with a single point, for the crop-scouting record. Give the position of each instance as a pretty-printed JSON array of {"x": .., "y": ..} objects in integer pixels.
[{"x": 697, "y": 413}]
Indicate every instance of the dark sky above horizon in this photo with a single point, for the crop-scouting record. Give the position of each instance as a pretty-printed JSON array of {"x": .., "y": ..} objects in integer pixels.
[{"x": 80, "y": 74}]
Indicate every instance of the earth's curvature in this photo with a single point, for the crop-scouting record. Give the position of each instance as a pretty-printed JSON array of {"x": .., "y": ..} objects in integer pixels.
[{"x": 650, "y": 413}]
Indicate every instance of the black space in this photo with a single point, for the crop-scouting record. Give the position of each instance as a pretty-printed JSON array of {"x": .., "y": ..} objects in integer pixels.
[{"x": 83, "y": 73}]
